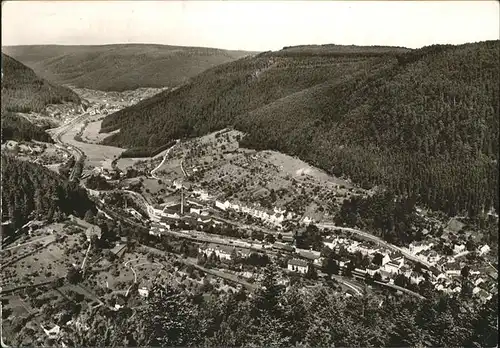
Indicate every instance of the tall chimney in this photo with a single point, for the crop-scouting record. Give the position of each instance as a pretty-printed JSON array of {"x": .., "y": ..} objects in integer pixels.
[{"x": 182, "y": 200}]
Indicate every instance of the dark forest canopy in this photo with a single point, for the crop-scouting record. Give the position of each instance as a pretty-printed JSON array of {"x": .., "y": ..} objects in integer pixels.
[
  {"x": 279, "y": 317},
  {"x": 24, "y": 91},
  {"x": 31, "y": 191},
  {"x": 16, "y": 127},
  {"x": 421, "y": 122}
]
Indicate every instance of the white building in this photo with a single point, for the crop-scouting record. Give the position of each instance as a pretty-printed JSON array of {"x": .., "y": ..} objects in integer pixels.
[
  {"x": 386, "y": 259},
  {"x": 353, "y": 247},
  {"x": 485, "y": 249},
  {"x": 196, "y": 211},
  {"x": 220, "y": 205},
  {"x": 416, "y": 278},
  {"x": 330, "y": 243},
  {"x": 365, "y": 249},
  {"x": 372, "y": 269},
  {"x": 306, "y": 220},
  {"x": 155, "y": 232},
  {"x": 478, "y": 281},
  {"x": 202, "y": 195},
  {"x": 458, "y": 248},
  {"x": 296, "y": 265},
  {"x": 416, "y": 247},
  {"x": 52, "y": 333},
  {"x": 144, "y": 292},
  {"x": 394, "y": 266},
  {"x": 483, "y": 295},
  {"x": 276, "y": 219},
  {"x": 223, "y": 252}
]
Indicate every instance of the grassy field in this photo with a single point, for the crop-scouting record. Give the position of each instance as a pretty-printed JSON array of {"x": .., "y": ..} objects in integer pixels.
[
  {"x": 97, "y": 155},
  {"x": 91, "y": 133}
]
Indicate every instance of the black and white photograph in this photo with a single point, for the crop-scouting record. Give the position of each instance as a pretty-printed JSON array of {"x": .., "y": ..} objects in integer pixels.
[{"x": 249, "y": 173}]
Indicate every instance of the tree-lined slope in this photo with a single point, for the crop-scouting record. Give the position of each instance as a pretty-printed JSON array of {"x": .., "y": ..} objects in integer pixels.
[
  {"x": 31, "y": 191},
  {"x": 122, "y": 66},
  {"x": 24, "y": 91},
  {"x": 423, "y": 122},
  {"x": 16, "y": 127},
  {"x": 273, "y": 317}
]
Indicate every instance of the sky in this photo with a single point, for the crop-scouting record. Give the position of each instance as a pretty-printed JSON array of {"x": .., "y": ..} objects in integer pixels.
[{"x": 249, "y": 25}]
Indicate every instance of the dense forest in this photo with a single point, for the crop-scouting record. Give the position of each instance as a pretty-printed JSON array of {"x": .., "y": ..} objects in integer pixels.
[
  {"x": 423, "y": 123},
  {"x": 24, "y": 91},
  {"x": 31, "y": 191},
  {"x": 16, "y": 127},
  {"x": 279, "y": 317},
  {"x": 384, "y": 214},
  {"x": 120, "y": 67}
]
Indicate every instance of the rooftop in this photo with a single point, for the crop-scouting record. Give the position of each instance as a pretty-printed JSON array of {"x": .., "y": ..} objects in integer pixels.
[
  {"x": 297, "y": 262},
  {"x": 454, "y": 225},
  {"x": 396, "y": 254},
  {"x": 309, "y": 255},
  {"x": 223, "y": 248}
]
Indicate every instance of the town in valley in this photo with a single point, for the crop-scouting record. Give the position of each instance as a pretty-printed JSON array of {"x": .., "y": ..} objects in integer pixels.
[{"x": 100, "y": 238}]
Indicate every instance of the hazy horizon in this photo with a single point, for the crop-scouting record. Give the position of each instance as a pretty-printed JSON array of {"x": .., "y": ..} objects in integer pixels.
[{"x": 249, "y": 26}]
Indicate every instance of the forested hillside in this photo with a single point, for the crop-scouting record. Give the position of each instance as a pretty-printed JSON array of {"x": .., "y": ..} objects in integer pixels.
[
  {"x": 422, "y": 122},
  {"x": 120, "y": 67},
  {"x": 16, "y": 127},
  {"x": 24, "y": 91},
  {"x": 273, "y": 317},
  {"x": 33, "y": 191}
]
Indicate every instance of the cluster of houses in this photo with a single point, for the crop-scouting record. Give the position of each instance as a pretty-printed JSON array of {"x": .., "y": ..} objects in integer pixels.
[
  {"x": 275, "y": 216},
  {"x": 223, "y": 252},
  {"x": 108, "y": 174},
  {"x": 393, "y": 264},
  {"x": 195, "y": 212},
  {"x": 426, "y": 253}
]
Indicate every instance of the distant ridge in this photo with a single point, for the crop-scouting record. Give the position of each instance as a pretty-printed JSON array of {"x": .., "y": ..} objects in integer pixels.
[
  {"x": 346, "y": 49},
  {"x": 118, "y": 67}
]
